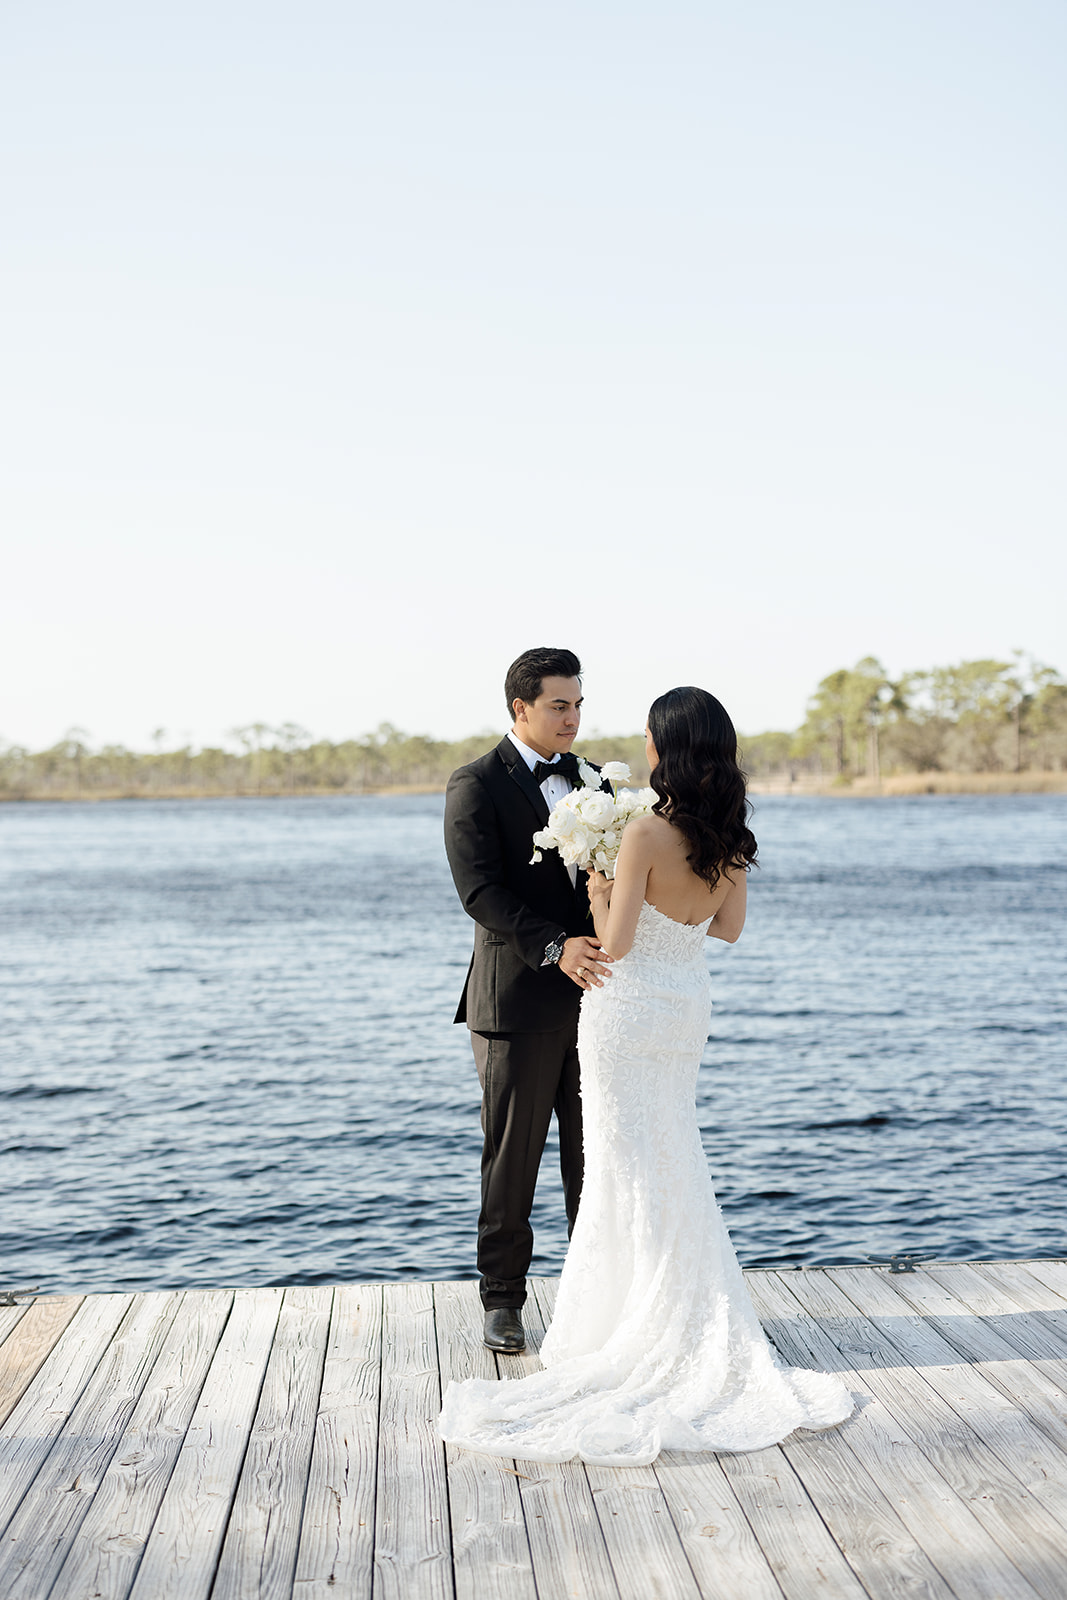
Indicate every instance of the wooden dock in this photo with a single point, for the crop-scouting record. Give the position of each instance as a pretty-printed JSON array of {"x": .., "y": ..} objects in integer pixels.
[{"x": 277, "y": 1443}]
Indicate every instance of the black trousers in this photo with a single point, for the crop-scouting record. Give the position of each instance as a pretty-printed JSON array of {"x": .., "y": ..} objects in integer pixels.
[{"x": 524, "y": 1078}]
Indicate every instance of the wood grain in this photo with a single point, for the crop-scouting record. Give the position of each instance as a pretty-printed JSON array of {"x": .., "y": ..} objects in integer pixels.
[
  {"x": 1008, "y": 1347},
  {"x": 11, "y": 1316},
  {"x": 182, "y": 1552},
  {"x": 490, "y": 1550},
  {"x": 718, "y": 1539},
  {"x": 31, "y": 1339},
  {"x": 796, "y": 1542},
  {"x": 412, "y": 1545},
  {"x": 888, "y": 1433},
  {"x": 567, "y": 1545},
  {"x": 336, "y": 1555},
  {"x": 47, "y": 1400},
  {"x": 887, "y": 1558},
  {"x": 951, "y": 1412},
  {"x": 647, "y": 1557},
  {"x": 103, "y": 1559},
  {"x": 51, "y": 1512},
  {"x": 223, "y": 1445},
  {"x": 259, "y": 1552},
  {"x": 1053, "y": 1274},
  {"x": 1028, "y": 1288},
  {"x": 1029, "y": 1470}
]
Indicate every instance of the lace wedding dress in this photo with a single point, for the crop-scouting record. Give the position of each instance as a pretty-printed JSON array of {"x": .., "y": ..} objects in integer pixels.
[{"x": 654, "y": 1344}]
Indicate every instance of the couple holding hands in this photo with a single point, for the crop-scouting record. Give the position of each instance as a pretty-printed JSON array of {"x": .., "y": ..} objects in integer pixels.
[{"x": 590, "y": 997}]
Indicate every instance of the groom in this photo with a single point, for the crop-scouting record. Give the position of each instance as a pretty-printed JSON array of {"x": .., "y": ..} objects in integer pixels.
[{"x": 533, "y": 956}]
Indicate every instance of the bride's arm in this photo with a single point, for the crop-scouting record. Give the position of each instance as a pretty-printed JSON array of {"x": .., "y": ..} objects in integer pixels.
[
  {"x": 616, "y": 904},
  {"x": 730, "y": 917}
]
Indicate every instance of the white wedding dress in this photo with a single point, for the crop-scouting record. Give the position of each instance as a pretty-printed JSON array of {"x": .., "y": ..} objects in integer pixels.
[{"x": 654, "y": 1344}]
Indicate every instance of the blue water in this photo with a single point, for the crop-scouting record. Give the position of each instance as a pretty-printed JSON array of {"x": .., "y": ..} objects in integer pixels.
[{"x": 227, "y": 1053}]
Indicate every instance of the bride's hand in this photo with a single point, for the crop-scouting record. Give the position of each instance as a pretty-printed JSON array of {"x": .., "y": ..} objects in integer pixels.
[{"x": 598, "y": 884}]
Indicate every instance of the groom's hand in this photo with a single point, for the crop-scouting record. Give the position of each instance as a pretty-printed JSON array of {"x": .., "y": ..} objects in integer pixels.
[{"x": 585, "y": 963}]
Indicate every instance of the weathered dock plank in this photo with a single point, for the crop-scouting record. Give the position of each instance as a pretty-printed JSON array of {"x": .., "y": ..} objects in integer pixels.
[
  {"x": 337, "y": 1543},
  {"x": 49, "y": 1398},
  {"x": 1021, "y": 1461},
  {"x": 39, "y": 1329},
  {"x": 648, "y": 1560},
  {"x": 102, "y": 1554},
  {"x": 887, "y": 1558},
  {"x": 259, "y": 1553},
  {"x": 181, "y": 1557},
  {"x": 801, "y": 1551},
  {"x": 719, "y": 1541},
  {"x": 951, "y": 1417},
  {"x": 882, "y": 1436},
  {"x": 566, "y": 1539},
  {"x": 11, "y": 1316},
  {"x": 50, "y": 1514},
  {"x": 224, "y": 1445},
  {"x": 997, "y": 1350},
  {"x": 413, "y": 1544},
  {"x": 490, "y": 1547},
  {"x": 1053, "y": 1274}
]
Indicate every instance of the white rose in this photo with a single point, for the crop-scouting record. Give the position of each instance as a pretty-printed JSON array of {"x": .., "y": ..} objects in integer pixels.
[
  {"x": 575, "y": 852},
  {"x": 598, "y": 810},
  {"x": 615, "y": 771},
  {"x": 636, "y": 801},
  {"x": 589, "y": 775},
  {"x": 564, "y": 822}
]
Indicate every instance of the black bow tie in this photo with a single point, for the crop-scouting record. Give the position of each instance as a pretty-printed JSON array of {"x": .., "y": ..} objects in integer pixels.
[{"x": 565, "y": 767}]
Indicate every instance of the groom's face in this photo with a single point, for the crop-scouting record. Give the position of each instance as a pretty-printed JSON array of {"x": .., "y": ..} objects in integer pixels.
[{"x": 549, "y": 724}]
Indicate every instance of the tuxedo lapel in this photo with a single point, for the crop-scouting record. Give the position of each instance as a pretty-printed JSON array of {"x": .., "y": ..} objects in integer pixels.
[{"x": 520, "y": 774}]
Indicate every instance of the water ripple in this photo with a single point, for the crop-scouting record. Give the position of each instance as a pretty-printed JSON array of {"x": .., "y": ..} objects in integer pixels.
[{"x": 228, "y": 1057}]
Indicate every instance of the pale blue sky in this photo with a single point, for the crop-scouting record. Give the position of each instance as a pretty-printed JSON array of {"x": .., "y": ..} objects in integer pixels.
[{"x": 352, "y": 349}]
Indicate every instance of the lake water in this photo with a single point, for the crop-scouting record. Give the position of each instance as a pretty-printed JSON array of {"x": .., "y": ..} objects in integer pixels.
[{"x": 228, "y": 1055}]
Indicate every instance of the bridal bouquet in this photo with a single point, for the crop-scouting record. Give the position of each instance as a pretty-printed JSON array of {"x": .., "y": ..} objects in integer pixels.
[{"x": 586, "y": 825}]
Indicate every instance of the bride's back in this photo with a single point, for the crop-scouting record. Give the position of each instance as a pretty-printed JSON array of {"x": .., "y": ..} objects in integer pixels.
[
  {"x": 673, "y": 887},
  {"x": 689, "y": 856}
]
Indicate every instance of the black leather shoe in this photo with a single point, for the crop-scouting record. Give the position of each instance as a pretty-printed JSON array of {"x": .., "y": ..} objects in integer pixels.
[{"x": 503, "y": 1330}]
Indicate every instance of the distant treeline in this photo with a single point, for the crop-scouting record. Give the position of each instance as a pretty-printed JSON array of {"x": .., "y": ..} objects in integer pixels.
[
  {"x": 268, "y": 761},
  {"x": 979, "y": 717}
]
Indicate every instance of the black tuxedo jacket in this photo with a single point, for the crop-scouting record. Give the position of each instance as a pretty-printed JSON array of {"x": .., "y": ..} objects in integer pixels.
[{"x": 492, "y": 809}]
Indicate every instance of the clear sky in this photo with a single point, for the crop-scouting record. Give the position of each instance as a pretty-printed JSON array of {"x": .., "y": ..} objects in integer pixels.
[{"x": 352, "y": 348}]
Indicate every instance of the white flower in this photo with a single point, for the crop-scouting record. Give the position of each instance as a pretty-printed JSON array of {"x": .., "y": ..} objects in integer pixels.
[
  {"x": 589, "y": 775},
  {"x": 615, "y": 771},
  {"x": 586, "y": 826},
  {"x": 575, "y": 852},
  {"x": 563, "y": 821},
  {"x": 598, "y": 810}
]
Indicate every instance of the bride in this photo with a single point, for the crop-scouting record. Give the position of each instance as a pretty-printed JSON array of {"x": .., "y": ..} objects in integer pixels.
[{"x": 654, "y": 1344}]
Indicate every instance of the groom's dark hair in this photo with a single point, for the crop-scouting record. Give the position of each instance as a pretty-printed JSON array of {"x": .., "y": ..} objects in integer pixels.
[{"x": 527, "y": 673}]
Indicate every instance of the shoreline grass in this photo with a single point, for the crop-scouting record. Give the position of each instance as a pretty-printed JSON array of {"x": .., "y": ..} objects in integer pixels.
[{"x": 895, "y": 785}]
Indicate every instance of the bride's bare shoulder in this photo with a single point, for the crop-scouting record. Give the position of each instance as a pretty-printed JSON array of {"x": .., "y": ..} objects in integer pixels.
[
  {"x": 653, "y": 834},
  {"x": 649, "y": 827}
]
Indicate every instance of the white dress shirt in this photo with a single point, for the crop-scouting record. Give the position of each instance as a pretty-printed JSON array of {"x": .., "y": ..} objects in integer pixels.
[{"x": 553, "y": 788}]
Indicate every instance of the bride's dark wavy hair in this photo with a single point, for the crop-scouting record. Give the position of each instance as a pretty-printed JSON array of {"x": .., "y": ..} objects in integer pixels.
[{"x": 700, "y": 785}]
